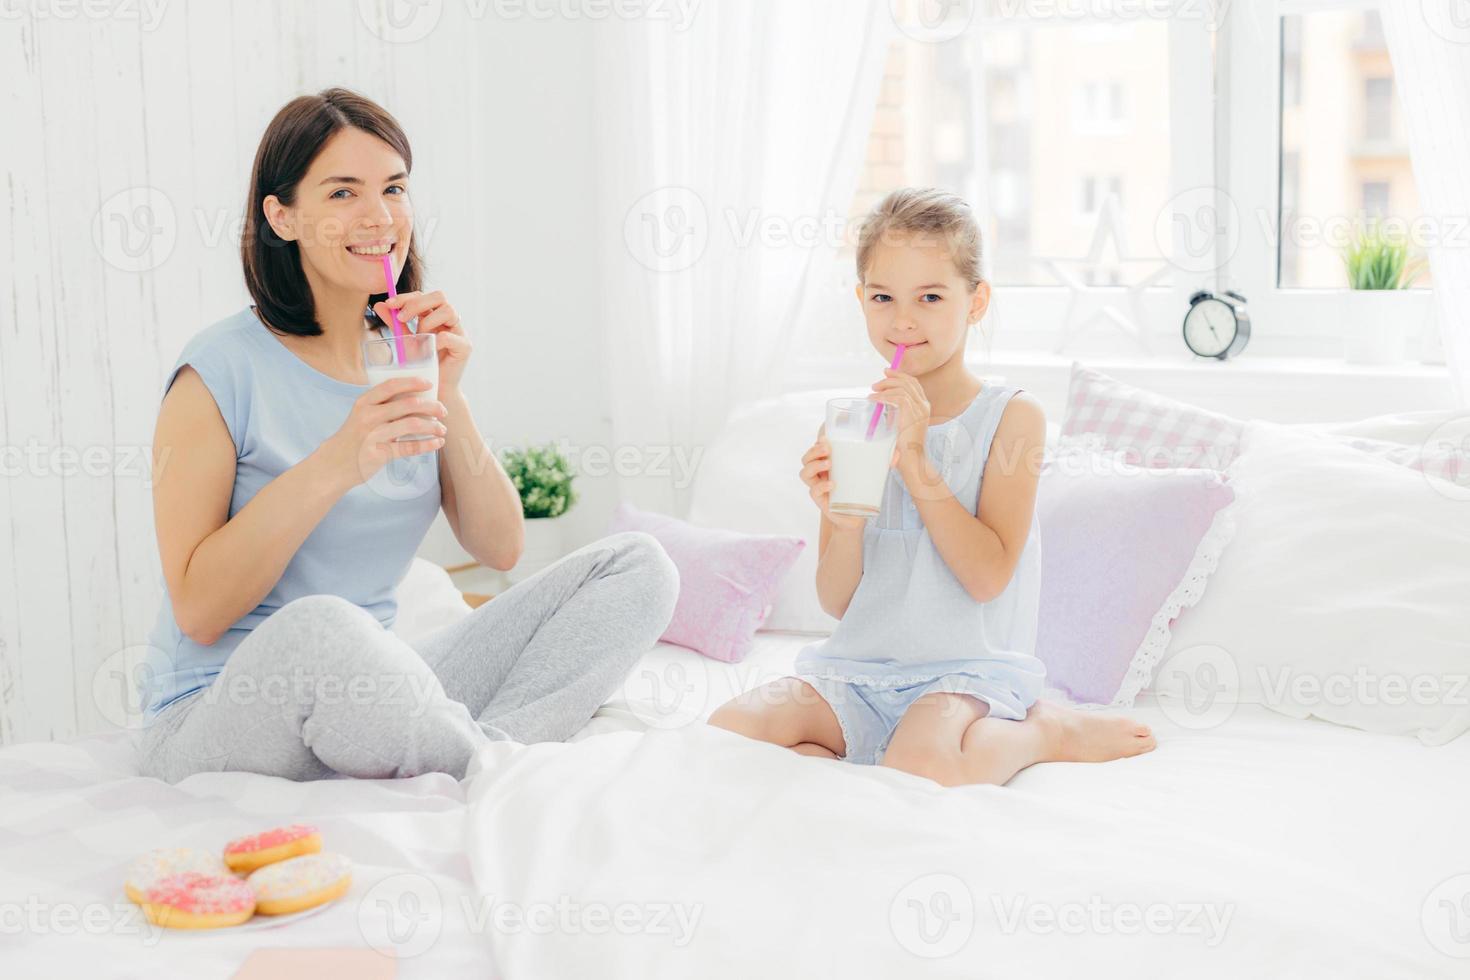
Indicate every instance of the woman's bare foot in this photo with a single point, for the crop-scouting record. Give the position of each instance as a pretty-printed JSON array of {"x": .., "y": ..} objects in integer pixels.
[{"x": 1083, "y": 736}]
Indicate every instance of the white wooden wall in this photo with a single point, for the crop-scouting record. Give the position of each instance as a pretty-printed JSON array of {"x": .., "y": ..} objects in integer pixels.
[{"x": 127, "y": 146}]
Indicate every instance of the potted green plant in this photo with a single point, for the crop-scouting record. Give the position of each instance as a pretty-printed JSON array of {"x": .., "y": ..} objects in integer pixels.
[
  {"x": 543, "y": 477},
  {"x": 1378, "y": 265}
]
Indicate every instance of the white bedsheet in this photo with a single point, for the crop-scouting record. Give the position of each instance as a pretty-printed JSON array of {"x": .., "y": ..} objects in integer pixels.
[
  {"x": 1265, "y": 846},
  {"x": 74, "y": 815},
  {"x": 1315, "y": 848}
]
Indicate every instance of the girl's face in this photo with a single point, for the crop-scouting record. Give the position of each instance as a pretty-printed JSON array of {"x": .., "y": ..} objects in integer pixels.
[
  {"x": 351, "y": 208},
  {"x": 912, "y": 294}
]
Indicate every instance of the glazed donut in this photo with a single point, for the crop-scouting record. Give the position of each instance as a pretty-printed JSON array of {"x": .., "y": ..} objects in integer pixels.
[
  {"x": 300, "y": 883},
  {"x": 147, "y": 870},
  {"x": 245, "y": 854},
  {"x": 191, "y": 900}
]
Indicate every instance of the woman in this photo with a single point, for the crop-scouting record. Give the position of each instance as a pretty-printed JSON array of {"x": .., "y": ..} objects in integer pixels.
[{"x": 287, "y": 513}]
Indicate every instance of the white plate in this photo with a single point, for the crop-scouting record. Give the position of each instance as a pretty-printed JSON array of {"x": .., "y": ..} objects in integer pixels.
[
  {"x": 258, "y": 922},
  {"x": 272, "y": 921}
]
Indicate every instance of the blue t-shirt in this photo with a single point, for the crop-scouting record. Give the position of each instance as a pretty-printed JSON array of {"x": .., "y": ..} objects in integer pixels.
[{"x": 278, "y": 410}]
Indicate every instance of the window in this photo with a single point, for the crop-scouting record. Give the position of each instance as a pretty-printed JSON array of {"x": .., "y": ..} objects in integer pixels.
[
  {"x": 1375, "y": 198},
  {"x": 1094, "y": 191},
  {"x": 1098, "y": 107},
  {"x": 1378, "y": 109},
  {"x": 1008, "y": 115},
  {"x": 1144, "y": 156},
  {"x": 1342, "y": 163}
]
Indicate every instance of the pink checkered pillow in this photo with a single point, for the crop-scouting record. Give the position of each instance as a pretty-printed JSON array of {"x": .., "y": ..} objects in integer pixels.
[
  {"x": 1149, "y": 429},
  {"x": 727, "y": 580},
  {"x": 1107, "y": 415}
]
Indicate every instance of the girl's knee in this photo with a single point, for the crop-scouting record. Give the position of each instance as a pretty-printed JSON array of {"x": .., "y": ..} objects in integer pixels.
[
  {"x": 922, "y": 757},
  {"x": 744, "y": 718},
  {"x": 776, "y": 712}
]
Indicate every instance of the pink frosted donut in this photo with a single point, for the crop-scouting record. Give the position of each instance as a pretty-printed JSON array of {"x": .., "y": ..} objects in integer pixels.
[
  {"x": 191, "y": 900},
  {"x": 148, "y": 869},
  {"x": 300, "y": 883},
  {"x": 245, "y": 854}
]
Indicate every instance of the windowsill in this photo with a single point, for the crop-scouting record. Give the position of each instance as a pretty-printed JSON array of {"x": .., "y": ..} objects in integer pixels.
[
  {"x": 1255, "y": 384},
  {"x": 1245, "y": 364}
]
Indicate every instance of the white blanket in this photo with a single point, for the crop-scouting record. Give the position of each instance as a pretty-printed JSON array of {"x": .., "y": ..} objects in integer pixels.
[
  {"x": 73, "y": 816},
  {"x": 1267, "y": 846}
]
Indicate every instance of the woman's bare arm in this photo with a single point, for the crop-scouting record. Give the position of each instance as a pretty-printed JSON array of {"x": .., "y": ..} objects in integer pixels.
[
  {"x": 218, "y": 569},
  {"x": 480, "y": 502}
]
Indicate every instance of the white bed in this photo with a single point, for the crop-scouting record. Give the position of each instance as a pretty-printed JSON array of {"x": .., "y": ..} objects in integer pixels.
[{"x": 654, "y": 846}]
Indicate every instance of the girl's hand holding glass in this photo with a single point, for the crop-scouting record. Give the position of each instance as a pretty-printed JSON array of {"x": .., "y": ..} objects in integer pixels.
[
  {"x": 906, "y": 395},
  {"x": 816, "y": 473}
]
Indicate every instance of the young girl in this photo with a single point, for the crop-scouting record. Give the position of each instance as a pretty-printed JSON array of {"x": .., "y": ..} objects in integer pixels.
[{"x": 931, "y": 668}]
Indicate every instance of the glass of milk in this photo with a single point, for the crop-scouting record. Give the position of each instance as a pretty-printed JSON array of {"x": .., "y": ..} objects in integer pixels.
[
  {"x": 859, "y": 464},
  {"x": 420, "y": 360}
]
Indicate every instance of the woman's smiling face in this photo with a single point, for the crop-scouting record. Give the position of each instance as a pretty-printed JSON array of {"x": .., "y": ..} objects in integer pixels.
[
  {"x": 913, "y": 294},
  {"x": 351, "y": 208}
]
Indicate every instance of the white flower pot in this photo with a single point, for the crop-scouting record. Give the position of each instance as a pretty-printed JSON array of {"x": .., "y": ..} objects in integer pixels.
[
  {"x": 1378, "y": 327},
  {"x": 544, "y": 546},
  {"x": 1431, "y": 340}
]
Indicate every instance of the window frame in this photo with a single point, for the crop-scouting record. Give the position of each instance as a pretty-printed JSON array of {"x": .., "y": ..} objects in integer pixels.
[
  {"x": 1225, "y": 155},
  {"x": 1029, "y": 318},
  {"x": 1294, "y": 320}
]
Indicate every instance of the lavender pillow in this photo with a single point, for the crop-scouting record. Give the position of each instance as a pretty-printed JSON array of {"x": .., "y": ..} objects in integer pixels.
[
  {"x": 727, "y": 580},
  {"x": 1124, "y": 549}
]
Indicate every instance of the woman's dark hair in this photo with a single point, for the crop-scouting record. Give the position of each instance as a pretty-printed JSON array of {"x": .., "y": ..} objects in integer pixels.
[{"x": 291, "y": 142}]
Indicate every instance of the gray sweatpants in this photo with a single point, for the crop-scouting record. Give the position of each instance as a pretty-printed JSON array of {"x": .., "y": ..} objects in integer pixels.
[{"x": 321, "y": 688}]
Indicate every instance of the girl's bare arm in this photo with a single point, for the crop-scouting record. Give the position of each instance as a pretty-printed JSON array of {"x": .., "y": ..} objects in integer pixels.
[
  {"x": 840, "y": 539},
  {"x": 982, "y": 549}
]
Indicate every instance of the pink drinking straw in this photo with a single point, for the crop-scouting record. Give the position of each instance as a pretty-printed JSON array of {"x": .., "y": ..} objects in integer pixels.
[
  {"x": 398, "y": 327},
  {"x": 878, "y": 408}
]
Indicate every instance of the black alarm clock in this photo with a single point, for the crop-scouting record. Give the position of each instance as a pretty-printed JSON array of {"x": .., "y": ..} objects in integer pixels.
[{"x": 1217, "y": 326}]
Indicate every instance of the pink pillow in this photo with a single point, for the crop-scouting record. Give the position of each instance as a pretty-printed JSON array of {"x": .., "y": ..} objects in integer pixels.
[
  {"x": 1152, "y": 429},
  {"x": 727, "y": 580},
  {"x": 1124, "y": 549}
]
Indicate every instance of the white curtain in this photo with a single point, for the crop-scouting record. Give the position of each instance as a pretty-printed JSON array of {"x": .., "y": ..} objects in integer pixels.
[
  {"x": 730, "y": 148},
  {"x": 1429, "y": 43}
]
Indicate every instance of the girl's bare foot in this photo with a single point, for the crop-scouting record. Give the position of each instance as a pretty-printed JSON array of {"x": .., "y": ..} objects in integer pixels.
[{"x": 1084, "y": 736}]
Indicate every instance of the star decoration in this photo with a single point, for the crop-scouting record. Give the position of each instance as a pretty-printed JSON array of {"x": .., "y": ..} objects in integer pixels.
[{"x": 1088, "y": 304}]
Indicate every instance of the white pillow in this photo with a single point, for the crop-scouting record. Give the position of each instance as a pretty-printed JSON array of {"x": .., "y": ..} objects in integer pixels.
[
  {"x": 749, "y": 480},
  {"x": 427, "y": 600},
  {"x": 1346, "y": 595},
  {"x": 1404, "y": 428}
]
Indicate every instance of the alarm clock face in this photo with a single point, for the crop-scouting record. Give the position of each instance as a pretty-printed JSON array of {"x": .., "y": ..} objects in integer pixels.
[{"x": 1209, "y": 327}]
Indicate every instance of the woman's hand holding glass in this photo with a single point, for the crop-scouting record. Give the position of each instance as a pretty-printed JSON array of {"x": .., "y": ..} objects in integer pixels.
[{"x": 365, "y": 442}]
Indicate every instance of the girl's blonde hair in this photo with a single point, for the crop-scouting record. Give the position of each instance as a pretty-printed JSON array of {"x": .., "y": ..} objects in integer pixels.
[{"x": 930, "y": 213}]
